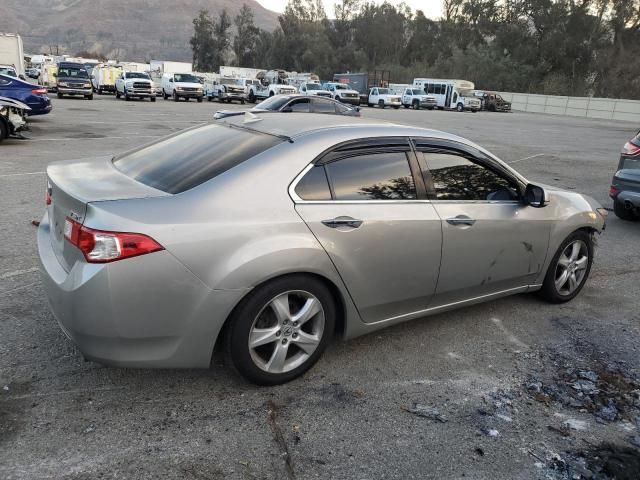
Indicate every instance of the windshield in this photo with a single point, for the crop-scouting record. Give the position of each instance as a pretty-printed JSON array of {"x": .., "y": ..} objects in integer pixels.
[
  {"x": 342, "y": 86},
  {"x": 70, "y": 72},
  {"x": 383, "y": 91},
  {"x": 465, "y": 92},
  {"x": 185, "y": 77},
  {"x": 228, "y": 81},
  {"x": 417, "y": 92},
  {"x": 8, "y": 71},
  {"x": 137, "y": 75},
  {"x": 273, "y": 103},
  {"x": 313, "y": 86}
]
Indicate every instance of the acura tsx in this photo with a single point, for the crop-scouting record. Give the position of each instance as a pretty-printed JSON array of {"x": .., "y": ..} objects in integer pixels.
[{"x": 266, "y": 235}]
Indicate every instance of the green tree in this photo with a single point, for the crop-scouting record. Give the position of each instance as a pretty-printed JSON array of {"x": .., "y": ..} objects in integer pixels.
[
  {"x": 221, "y": 38},
  {"x": 246, "y": 39},
  {"x": 202, "y": 42}
]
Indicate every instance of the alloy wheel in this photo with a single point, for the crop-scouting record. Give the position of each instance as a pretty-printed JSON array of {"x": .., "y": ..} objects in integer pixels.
[
  {"x": 572, "y": 267},
  {"x": 287, "y": 331}
]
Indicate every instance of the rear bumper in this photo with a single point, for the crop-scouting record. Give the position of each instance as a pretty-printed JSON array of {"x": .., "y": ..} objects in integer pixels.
[
  {"x": 630, "y": 200},
  {"x": 147, "y": 311}
]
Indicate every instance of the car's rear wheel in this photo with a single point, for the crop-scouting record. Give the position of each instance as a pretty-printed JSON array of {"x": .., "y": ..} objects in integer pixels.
[
  {"x": 4, "y": 130},
  {"x": 622, "y": 213},
  {"x": 59, "y": 95},
  {"x": 381, "y": 103},
  {"x": 252, "y": 97},
  {"x": 569, "y": 268},
  {"x": 280, "y": 330}
]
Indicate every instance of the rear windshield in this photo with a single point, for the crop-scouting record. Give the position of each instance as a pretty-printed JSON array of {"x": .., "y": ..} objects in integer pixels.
[
  {"x": 183, "y": 161},
  {"x": 631, "y": 164}
]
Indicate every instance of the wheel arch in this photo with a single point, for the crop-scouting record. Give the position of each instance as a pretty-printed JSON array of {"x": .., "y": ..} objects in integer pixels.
[{"x": 336, "y": 293}]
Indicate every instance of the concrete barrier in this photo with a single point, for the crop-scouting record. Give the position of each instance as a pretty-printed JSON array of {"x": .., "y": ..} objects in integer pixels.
[{"x": 588, "y": 107}]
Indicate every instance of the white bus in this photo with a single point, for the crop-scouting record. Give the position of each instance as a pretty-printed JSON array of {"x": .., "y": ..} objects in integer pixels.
[{"x": 449, "y": 93}]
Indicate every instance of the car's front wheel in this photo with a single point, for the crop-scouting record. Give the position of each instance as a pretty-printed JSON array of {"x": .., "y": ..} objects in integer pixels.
[
  {"x": 280, "y": 330},
  {"x": 569, "y": 268}
]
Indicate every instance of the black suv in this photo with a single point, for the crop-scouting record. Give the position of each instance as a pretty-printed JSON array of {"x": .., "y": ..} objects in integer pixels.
[{"x": 625, "y": 186}]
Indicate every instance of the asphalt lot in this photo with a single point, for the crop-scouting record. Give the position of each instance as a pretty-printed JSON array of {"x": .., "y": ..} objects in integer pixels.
[{"x": 498, "y": 372}]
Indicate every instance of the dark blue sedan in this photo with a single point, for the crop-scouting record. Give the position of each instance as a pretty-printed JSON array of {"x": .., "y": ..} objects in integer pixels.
[{"x": 33, "y": 95}]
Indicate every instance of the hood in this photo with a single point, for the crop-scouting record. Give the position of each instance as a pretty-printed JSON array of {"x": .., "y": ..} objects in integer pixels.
[
  {"x": 135, "y": 80},
  {"x": 189, "y": 84}
]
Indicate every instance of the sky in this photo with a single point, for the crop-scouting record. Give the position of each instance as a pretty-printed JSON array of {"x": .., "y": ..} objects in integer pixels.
[{"x": 431, "y": 8}]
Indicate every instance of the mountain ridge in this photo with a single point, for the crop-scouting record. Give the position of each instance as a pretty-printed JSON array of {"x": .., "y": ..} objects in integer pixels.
[{"x": 133, "y": 30}]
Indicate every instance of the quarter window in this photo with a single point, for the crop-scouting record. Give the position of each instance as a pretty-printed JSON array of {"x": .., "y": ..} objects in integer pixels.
[
  {"x": 314, "y": 185},
  {"x": 301, "y": 105},
  {"x": 456, "y": 178},
  {"x": 374, "y": 176}
]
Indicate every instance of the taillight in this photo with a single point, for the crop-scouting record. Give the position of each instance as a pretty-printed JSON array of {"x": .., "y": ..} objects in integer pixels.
[
  {"x": 613, "y": 191},
  {"x": 99, "y": 246},
  {"x": 39, "y": 91},
  {"x": 47, "y": 195},
  {"x": 630, "y": 149}
]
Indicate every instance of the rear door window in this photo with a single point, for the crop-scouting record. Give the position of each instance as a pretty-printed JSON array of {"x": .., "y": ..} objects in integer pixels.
[
  {"x": 321, "y": 106},
  {"x": 183, "y": 161}
]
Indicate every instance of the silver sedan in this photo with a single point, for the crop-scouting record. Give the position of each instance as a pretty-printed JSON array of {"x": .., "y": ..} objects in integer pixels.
[{"x": 266, "y": 235}]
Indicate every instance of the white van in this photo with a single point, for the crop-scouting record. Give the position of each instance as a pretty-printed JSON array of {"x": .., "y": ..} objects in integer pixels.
[
  {"x": 449, "y": 93},
  {"x": 182, "y": 85}
]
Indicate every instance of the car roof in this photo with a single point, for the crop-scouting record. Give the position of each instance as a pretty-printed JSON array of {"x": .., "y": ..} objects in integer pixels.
[{"x": 292, "y": 127}]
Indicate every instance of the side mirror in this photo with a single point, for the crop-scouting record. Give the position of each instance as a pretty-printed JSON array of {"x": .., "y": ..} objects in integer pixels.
[
  {"x": 21, "y": 77},
  {"x": 55, "y": 75},
  {"x": 536, "y": 196},
  {"x": 171, "y": 80}
]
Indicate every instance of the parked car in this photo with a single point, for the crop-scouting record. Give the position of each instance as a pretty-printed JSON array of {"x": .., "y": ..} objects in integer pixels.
[
  {"x": 383, "y": 97},
  {"x": 295, "y": 103},
  {"x": 277, "y": 233},
  {"x": 135, "y": 85},
  {"x": 73, "y": 79},
  {"x": 13, "y": 118},
  {"x": 225, "y": 90},
  {"x": 343, "y": 92},
  {"x": 416, "y": 99},
  {"x": 34, "y": 96},
  {"x": 313, "y": 89},
  {"x": 33, "y": 72},
  {"x": 9, "y": 70},
  {"x": 181, "y": 85},
  {"x": 492, "y": 101},
  {"x": 625, "y": 186}
]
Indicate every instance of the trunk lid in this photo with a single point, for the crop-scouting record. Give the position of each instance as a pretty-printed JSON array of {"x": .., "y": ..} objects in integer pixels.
[{"x": 75, "y": 183}]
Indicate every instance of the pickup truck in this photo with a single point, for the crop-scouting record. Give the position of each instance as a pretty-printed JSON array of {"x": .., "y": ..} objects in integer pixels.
[
  {"x": 342, "y": 92},
  {"x": 417, "y": 99},
  {"x": 313, "y": 89},
  {"x": 383, "y": 97},
  {"x": 226, "y": 90},
  {"x": 135, "y": 85}
]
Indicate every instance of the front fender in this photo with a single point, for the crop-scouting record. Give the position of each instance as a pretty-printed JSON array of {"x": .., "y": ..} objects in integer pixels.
[{"x": 569, "y": 212}]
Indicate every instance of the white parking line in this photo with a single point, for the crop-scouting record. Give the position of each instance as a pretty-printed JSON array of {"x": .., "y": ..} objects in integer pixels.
[
  {"x": 20, "y": 174},
  {"x": 527, "y": 158},
  {"x": 18, "y": 272}
]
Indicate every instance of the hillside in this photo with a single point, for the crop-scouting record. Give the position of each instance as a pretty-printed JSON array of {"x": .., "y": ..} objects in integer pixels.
[{"x": 136, "y": 30}]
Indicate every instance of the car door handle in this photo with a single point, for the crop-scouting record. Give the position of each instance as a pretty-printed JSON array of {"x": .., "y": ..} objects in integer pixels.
[
  {"x": 461, "y": 220},
  {"x": 342, "y": 222}
]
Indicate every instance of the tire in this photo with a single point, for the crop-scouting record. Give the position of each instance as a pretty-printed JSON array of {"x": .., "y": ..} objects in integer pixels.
[
  {"x": 126, "y": 96},
  {"x": 164, "y": 94},
  {"x": 405, "y": 105},
  {"x": 271, "y": 94},
  {"x": 4, "y": 130},
  {"x": 460, "y": 107},
  {"x": 565, "y": 259},
  {"x": 396, "y": 107},
  {"x": 416, "y": 105},
  {"x": 622, "y": 213},
  {"x": 59, "y": 95},
  {"x": 381, "y": 103},
  {"x": 337, "y": 99},
  {"x": 369, "y": 104},
  {"x": 252, "y": 97},
  {"x": 199, "y": 99},
  {"x": 175, "y": 96},
  {"x": 89, "y": 97},
  {"x": 99, "y": 91},
  {"x": 429, "y": 108},
  {"x": 256, "y": 309},
  {"x": 117, "y": 93},
  {"x": 242, "y": 101},
  {"x": 153, "y": 99}
]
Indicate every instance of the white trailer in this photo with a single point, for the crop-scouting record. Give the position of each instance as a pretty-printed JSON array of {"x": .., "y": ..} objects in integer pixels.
[
  {"x": 163, "y": 66},
  {"x": 239, "y": 72},
  {"x": 451, "y": 94},
  {"x": 104, "y": 78},
  {"x": 12, "y": 52}
]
